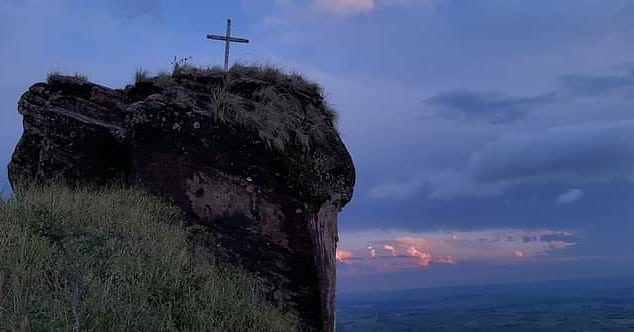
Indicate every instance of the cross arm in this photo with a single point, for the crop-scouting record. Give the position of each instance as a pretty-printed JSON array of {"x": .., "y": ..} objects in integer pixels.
[{"x": 231, "y": 39}]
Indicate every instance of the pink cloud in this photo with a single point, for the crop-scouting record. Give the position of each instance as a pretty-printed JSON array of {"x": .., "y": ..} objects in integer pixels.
[
  {"x": 394, "y": 252},
  {"x": 345, "y": 7}
]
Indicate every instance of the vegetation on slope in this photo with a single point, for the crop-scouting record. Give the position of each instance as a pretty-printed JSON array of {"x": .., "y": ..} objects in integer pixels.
[{"x": 116, "y": 259}]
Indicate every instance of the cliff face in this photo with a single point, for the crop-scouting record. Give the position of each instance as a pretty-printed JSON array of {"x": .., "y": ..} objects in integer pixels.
[{"x": 252, "y": 154}]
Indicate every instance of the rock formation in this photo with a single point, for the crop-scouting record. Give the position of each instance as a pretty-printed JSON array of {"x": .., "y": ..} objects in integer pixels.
[{"x": 252, "y": 154}]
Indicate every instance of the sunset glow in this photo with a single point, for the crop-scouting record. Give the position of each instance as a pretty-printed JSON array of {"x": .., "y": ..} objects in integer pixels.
[
  {"x": 343, "y": 256},
  {"x": 424, "y": 250}
]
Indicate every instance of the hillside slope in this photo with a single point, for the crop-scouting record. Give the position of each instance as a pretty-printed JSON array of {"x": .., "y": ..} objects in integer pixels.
[{"x": 116, "y": 259}]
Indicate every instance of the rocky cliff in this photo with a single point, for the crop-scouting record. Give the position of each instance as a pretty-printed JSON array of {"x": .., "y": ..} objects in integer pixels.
[{"x": 252, "y": 154}]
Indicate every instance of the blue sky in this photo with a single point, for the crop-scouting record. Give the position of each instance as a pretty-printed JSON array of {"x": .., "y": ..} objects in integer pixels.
[{"x": 493, "y": 139}]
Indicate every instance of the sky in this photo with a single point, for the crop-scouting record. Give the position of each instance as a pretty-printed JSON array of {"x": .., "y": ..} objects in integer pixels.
[{"x": 493, "y": 139}]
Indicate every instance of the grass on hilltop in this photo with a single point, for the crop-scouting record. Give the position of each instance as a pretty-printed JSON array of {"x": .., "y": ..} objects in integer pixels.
[
  {"x": 141, "y": 75},
  {"x": 54, "y": 75},
  {"x": 277, "y": 109},
  {"x": 281, "y": 109},
  {"x": 116, "y": 259}
]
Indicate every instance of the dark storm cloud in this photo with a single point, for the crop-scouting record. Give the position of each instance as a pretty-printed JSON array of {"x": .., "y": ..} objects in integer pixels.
[
  {"x": 494, "y": 107},
  {"x": 527, "y": 239},
  {"x": 573, "y": 154},
  {"x": 466, "y": 105},
  {"x": 603, "y": 151},
  {"x": 588, "y": 85},
  {"x": 557, "y": 237}
]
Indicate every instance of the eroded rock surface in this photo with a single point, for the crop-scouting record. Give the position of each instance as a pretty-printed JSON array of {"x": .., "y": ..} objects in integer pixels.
[{"x": 253, "y": 155}]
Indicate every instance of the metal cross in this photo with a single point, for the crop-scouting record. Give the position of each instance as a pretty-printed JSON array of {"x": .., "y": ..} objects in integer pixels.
[{"x": 227, "y": 39}]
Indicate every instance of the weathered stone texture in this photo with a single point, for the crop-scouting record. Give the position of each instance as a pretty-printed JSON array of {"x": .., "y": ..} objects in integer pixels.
[{"x": 271, "y": 211}]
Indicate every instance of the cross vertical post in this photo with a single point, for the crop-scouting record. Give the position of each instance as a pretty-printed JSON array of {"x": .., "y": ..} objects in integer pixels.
[
  {"x": 227, "y": 39},
  {"x": 227, "y": 44}
]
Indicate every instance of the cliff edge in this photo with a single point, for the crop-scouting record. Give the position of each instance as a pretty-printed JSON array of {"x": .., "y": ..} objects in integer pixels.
[{"x": 252, "y": 154}]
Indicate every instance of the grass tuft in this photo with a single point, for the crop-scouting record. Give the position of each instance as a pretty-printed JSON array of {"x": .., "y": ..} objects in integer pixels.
[
  {"x": 116, "y": 258},
  {"x": 52, "y": 76},
  {"x": 283, "y": 108},
  {"x": 141, "y": 75},
  {"x": 81, "y": 77},
  {"x": 180, "y": 64},
  {"x": 56, "y": 75}
]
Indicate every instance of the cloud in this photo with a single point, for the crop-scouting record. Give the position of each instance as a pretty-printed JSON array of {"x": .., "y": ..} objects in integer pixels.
[
  {"x": 397, "y": 190},
  {"x": 463, "y": 105},
  {"x": 452, "y": 184},
  {"x": 594, "y": 85},
  {"x": 443, "y": 185},
  {"x": 287, "y": 9},
  {"x": 570, "y": 196},
  {"x": 583, "y": 153},
  {"x": 346, "y": 7},
  {"x": 366, "y": 250},
  {"x": 355, "y": 7},
  {"x": 496, "y": 108},
  {"x": 446, "y": 184},
  {"x": 590, "y": 151},
  {"x": 135, "y": 8}
]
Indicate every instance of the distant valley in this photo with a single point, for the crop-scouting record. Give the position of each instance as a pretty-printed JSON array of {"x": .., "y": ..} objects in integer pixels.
[{"x": 572, "y": 305}]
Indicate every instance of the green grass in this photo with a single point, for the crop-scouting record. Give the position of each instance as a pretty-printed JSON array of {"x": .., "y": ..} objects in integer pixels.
[
  {"x": 116, "y": 259},
  {"x": 51, "y": 76},
  {"x": 285, "y": 109},
  {"x": 141, "y": 75},
  {"x": 81, "y": 77},
  {"x": 55, "y": 75},
  {"x": 278, "y": 110},
  {"x": 179, "y": 64}
]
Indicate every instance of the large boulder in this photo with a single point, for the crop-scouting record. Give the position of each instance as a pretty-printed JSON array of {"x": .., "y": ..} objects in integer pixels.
[{"x": 252, "y": 154}]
